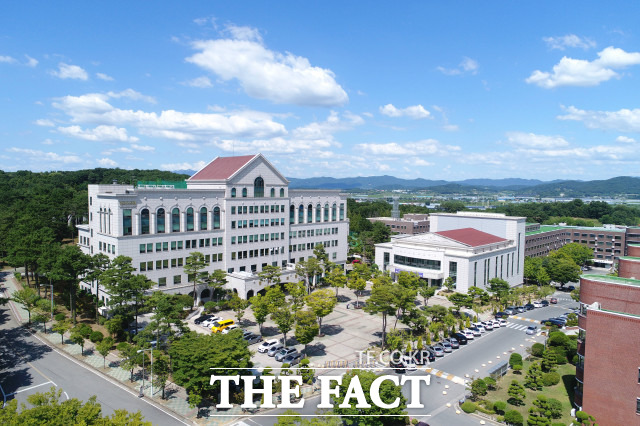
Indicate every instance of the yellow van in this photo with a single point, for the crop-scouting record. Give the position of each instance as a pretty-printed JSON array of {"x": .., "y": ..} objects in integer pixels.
[{"x": 218, "y": 326}]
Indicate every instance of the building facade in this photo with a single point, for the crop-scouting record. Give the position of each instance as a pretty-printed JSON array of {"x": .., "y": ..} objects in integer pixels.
[
  {"x": 608, "y": 370},
  {"x": 238, "y": 211},
  {"x": 410, "y": 224},
  {"x": 460, "y": 246}
]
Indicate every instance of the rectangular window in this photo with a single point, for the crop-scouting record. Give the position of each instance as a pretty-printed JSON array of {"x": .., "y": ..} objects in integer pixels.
[
  {"x": 174, "y": 263},
  {"x": 417, "y": 263},
  {"x": 126, "y": 222},
  {"x": 233, "y": 209},
  {"x": 143, "y": 248},
  {"x": 143, "y": 266},
  {"x": 233, "y": 255},
  {"x": 173, "y": 245},
  {"x": 475, "y": 273},
  {"x": 233, "y": 224},
  {"x": 220, "y": 241},
  {"x": 158, "y": 264},
  {"x": 637, "y": 405},
  {"x": 188, "y": 244},
  {"x": 165, "y": 246},
  {"x": 180, "y": 261},
  {"x": 158, "y": 246},
  {"x": 219, "y": 257},
  {"x": 162, "y": 282},
  {"x": 177, "y": 279},
  {"x": 165, "y": 263},
  {"x": 150, "y": 265}
]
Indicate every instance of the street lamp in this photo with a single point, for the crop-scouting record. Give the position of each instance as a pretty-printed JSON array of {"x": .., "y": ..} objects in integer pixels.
[
  {"x": 142, "y": 387},
  {"x": 51, "y": 285}
]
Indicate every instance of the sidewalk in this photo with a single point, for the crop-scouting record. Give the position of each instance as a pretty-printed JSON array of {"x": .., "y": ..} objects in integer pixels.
[{"x": 176, "y": 396}]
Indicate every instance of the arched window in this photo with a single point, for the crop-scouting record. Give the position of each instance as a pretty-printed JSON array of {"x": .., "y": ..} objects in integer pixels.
[
  {"x": 334, "y": 213},
  {"x": 301, "y": 214},
  {"x": 216, "y": 218},
  {"x": 160, "y": 221},
  {"x": 341, "y": 211},
  {"x": 281, "y": 192},
  {"x": 326, "y": 213},
  {"x": 233, "y": 193},
  {"x": 190, "y": 219},
  {"x": 318, "y": 212},
  {"x": 144, "y": 221},
  {"x": 292, "y": 214},
  {"x": 203, "y": 219},
  {"x": 258, "y": 188},
  {"x": 273, "y": 192},
  {"x": 244, "y": 192},
  {"x": 309, "y": 213},
  {"x": 175, "y": 220}
]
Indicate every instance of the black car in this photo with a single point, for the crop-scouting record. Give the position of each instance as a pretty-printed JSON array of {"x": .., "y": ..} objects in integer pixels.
[
  {"x": 501, "y": 315},
  {"x": 544, "y": 302},
  {"x": 461, "y": 338},
  {"x": 554, "y": 321},
  {"x": 421, "y": 357},
  {"x": 529, "y": 307},
  {"x": 201, "y": 318},
  {"x": 398, "y": 366}
]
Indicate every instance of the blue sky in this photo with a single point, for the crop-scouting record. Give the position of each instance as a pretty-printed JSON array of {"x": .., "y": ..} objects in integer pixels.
[{"x": 438, "y": 90}]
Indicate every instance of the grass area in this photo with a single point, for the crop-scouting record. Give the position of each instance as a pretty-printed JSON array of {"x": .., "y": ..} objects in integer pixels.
[{"x": 563, "y": 391}]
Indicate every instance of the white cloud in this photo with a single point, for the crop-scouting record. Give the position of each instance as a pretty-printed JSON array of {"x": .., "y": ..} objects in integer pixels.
[
  {"x": 624, "y": 120},
  {"x": 416, "y": 112},
  {"x": 31, "y": 62},
  {"x": 44, "y": 122},
  {"x": 107, "y": 162},
  {"x": 46, "y": 156},
  {"x": 569, "y": 40},
  {"x": 580, "y": 72},
  {"x": 531, "y": 140},
  {"x": 183, "y": 166},
  {"x": 451, "y": 127},
  {"x": 625, "y": 139},
  {"x": 419, "y": 162},
  {"x": 133, "y": 95},
  {"x": 104, "y": 77},
  {"x": 100, "y": 133},
  {"x": 95, "y": 108},
  {"x": 265, "y": 74},
  {"x": 394, "y": 149},
  {"x": 7, "y": 59},
  {"x": 467, "y": 65},
  {"x": 47, "y": 142},
  {"x": 70, "y": 71},
  {"x": 145, "y": 148},
  {"x": 202, "y": 82}
]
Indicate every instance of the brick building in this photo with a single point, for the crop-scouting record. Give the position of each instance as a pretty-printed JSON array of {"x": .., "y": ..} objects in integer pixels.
[
  {"x": 608, "y": 370},
  {"x": 410, "y": 224}
]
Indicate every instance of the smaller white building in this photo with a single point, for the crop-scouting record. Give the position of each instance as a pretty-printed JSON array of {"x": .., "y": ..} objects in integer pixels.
[{"x": 470, "y": 256}]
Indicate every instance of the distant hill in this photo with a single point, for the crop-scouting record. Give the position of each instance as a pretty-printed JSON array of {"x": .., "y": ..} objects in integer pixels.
[{"x": 622, "y": 185}]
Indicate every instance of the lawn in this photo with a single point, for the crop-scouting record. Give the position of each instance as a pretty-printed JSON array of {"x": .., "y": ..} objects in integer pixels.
[{"x": 563, "y": 391}]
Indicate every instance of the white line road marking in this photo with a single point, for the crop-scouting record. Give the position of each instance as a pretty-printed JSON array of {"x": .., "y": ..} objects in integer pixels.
[
  {"x": 65, "y": 394},
  {"x": 31, "y": 387}
]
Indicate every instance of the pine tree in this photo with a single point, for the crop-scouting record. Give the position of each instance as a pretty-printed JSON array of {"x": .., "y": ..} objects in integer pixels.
[
  {"x": 516, "y": 393},
  {"x": 549, "y": 361},
  {"x": 533, "y": 380}
]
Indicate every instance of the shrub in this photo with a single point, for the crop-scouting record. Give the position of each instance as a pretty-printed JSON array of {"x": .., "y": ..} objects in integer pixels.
[
  {"x": 96, "y": 336},
  {"x": 575, "y": 360},
  {"x": 414, "y": 421},
  {"x": 557, "y": 338},
  {"x": 18, "y": 276},
  {"x": 514, "y": 359},
  {"x": 500, "y": 419},
  {"x": 512, "y": 417},
  {"x": 468, "y": 407},
  {"x": 491, "y": 383},
  {"x": 517, "y": 369},
  {"x": 550, "y": 379},
  {"x": 499, "y": 406},
  {"x": 304, "y": 362},
  {"x": 561, "y": 355},
  {"x": 210, "y": 306},
  {"x": 537, "y": 349},
  {"x": 60, "y": 317},
  {"x": 558, "y": 424},
  {"x": 478, "y": 389}
]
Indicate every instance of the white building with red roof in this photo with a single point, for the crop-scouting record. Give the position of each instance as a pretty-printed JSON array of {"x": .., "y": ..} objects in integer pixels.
[
  {"x": 238, "y": 211},
  {"x": 472, "y": 248}
]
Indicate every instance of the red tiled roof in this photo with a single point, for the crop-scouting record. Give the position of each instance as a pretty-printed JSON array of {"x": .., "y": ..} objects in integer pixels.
[
  {"x": 222, "y": 168},
  {"x": 470, "y": 237}
]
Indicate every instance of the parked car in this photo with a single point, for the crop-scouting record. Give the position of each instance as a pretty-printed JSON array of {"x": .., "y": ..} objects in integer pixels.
[
  {"x": 252, "y": 338},
  {"x": 266, "y": 345},
  {"x": 453, "y": 342},
  {"x": 520, "y": 309},
  {"x": 409, "y": 363},
  {"x": 571, "y": 288},
  {"x": 292, "y": 359},
  {"x": 446, "y": 346},
  {"x": 474, "y": 331},
  {"x": 537, "y": 304},
  {"x": 488, "y": 325},
  {"x": 554, "y": 321},
  {"x": 421, "y": 357},
  {"x": 480, "y": 327},
  {"x": 209, "y": 322},
  {"x": 496, "y": 324},
  {"x": 273, "y": 350},
  {"x": 502, "y": 315},
  {"x": 544, "y": 303},
  {"x": 553, "y": 300},
  {"x": 437, "y": 350},
  {"x": 397, "y": 365},
  {"x": 532, "y": 329},
  {"x": 284, "y": 352},
  {"x": 510, "y": 311},
  {"x": 529, "y": 307},
  {"x": 468, "y": 334},
  {"x": 201, "y": 318},
  {"x": 503, "y": 322},
  {"x": 218, "y": 326},
  {"x": 461, "y": 338},
  {"x": 231, "y": 327}
]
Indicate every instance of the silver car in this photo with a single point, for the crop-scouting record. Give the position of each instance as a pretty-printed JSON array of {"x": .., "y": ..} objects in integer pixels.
[
  {"x": 446, "y": 346},
  {"x": 285, "y": 352},
  {"x": 252, "y": 338}
]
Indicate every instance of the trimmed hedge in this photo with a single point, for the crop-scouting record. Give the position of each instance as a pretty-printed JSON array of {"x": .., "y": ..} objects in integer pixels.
[
  {"x": 96, "y": 336},
  {"x": 60, "y": 317},
  {"x": 550, "y": 379},
  {"x": 513, "y": 417},
  {"x": 515, "y": 359},
  {"x": 500, "y": 406},
  {"x": 537, "y": 349},
  {"x": 468, "y": 407}
]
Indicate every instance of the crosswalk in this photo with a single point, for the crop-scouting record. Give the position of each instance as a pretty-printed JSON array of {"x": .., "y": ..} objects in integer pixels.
[{"x": 517, "y": 326}]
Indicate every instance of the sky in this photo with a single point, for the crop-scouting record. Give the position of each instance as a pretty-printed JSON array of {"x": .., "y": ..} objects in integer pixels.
[{"x": 413, "y": 89}]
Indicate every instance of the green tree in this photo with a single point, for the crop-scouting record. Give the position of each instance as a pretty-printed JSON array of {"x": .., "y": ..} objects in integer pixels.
[
  {"x": 543, "y": 410},
  {"x": 193, "y": 266},
  {"x": 542, "y": 277},
  {"x": 71, "y": 264},
  {"x": 271, "y": 274},
  {"x": 516, "y": 393},
  {"x": 161, "y": 369},
  {"x": 388, "y": 393},
  {"x": 585, "y": 419},
  {"x": 79, "y": 334},
  {"x": 575, "y": 294},
  {"x": 284, "y": 318},
  {"x": 356, "y": 283},
  {"x": 308, "y": 270},
  {"x": 260, "y": 307},
  {"x": 449, "y": 283},
  {"x": 103, "y": 348},
  {"x": 549, "y": 360},
  {"x": 275, "y": 298},
  {"x": 426, "y": 291},
  {"x": 193, "y": 356},
  {"x": 28, "y": 298},
  {"x": 99, "y": 263},
  {"x": 561, "y": 268},
  {"x": 61, "y": 327},
  {"x": 131, "y": 358},
  {"x": 478, "y": 389},
  {"x": 533, "y": 379},
  {"x": 531, "y": 269},
  {"x": 321, "y": 254},
  {"x": 381, "y": 302},
  {"x": 297, "y": 293},
  {"x": 459, "y": 300},
  {"x": 336, "y": 278},
  {"x": 306, "y": 327},
  {"x": 114, "y": 325},
  {"x": 321, "y": 303},
  {"x": 499, "y": 288},
  {"x": 579, "y": 253},
  {"x": 40, "y": 316},
  {"x": 216, "y": 280},
  {"x": 166, "y": 321},
  {"x": 513, "y": 418},
  {"x": 238, "y": 306}
]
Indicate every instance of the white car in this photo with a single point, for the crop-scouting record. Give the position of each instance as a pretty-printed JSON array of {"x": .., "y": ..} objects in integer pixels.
[
  {"x": 468, "y": 334},
  {"x": 228, "y": 329},
  {"x": 266, "y": 345},
  {"x": 503, "y": 322},
  {"x": 537, "y": 304},
  {"x": 480, "y": 327},
  {"x": 488, "y": 325},
  {"x": 496, "y": 324},
  {"x": 209, "y": 323}
]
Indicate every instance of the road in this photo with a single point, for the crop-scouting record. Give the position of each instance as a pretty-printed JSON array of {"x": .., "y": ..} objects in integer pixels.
[{"x": 27, "y": 366}]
